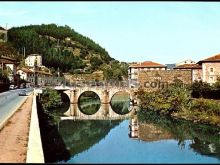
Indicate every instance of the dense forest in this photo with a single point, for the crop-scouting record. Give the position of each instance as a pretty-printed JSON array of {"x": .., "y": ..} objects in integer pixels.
[{"x": 64, "y": 48}]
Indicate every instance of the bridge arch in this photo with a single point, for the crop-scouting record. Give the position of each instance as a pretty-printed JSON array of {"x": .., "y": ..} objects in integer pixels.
[
  {"x": 87, "y": 108},
  {"x": 105, "y": 95}
]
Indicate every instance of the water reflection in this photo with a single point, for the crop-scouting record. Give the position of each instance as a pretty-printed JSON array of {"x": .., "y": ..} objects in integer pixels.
[
  {"x": 159, "y": 137},
  {"x": 120, "y": 103},
  {"x": 205, "y": 139},
  {"x": 80, "y": 135},
  {"x": 87, "y": 109},
  {"x": 89, "y": 102}
]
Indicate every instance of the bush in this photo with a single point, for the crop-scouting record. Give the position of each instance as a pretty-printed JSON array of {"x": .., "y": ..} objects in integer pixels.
[{"x": 50, "y": 99}]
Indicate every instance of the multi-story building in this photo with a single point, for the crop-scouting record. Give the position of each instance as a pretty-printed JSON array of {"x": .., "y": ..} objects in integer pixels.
[
  {"x": 196, "y": 70},
  {"x": 134, "y": 68},
  {"x": 26, "y": 74},
  {"x": 210, "y": 69},
  {"x": 39, "y": 78},
  {"x": 33, "y": 59}
]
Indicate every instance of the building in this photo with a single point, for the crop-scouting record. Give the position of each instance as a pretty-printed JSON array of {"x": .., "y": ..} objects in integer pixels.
[
  {"x": 210, "y": 69},
  {"x": 39, "y": 78},
  {"x": 134, "y": 68},
  {"x": 27, "y": 75},
  {"x": 188, "y": 61},
  {"x": 33, "y": 59},
  {"x": 196, "y": 70},
  {"x": 152, "y": 80}
]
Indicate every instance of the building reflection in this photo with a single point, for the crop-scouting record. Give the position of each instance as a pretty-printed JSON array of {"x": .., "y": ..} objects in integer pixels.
[
  {"x": 134, "y": 128},
  {"x": 147, "y": 131}
]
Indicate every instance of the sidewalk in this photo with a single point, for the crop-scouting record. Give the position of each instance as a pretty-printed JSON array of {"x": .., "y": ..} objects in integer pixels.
[{"x": 14, "y": 135}]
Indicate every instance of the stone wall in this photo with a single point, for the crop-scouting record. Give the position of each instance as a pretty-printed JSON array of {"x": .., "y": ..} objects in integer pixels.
[{"x": 153, "y": 80}]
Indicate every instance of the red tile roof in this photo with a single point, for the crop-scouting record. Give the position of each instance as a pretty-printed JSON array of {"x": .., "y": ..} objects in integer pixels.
[
  {"x": 211, "y": 59},
  {"x": 189, "y": 66},
  {"x": 147, "y": 64},
  {"x": 26, "y": 70},
  {"x": 42, "y": 72}
]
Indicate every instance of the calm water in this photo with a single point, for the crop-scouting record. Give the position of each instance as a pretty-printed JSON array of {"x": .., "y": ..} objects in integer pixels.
[
  {"x": 152, "y": 139},
  {"x": 110, "y": 143}
]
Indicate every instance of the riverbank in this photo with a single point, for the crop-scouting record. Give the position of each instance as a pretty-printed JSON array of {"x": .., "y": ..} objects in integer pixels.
[
  {"x": 203, "y": 111},
  {"x": 14, "y": 135},
  {"x": 176, "y": 101}
]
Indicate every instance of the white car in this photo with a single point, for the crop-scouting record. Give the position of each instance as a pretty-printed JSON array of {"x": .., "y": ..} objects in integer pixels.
[{"x": 11, "y": 87}]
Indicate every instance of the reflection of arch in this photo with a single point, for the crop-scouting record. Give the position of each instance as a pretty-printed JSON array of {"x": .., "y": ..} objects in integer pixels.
[
  {"x": 81, "y": 109},
  {"x": 118, "y": 106},
  {"x": 105, "y": 112}
]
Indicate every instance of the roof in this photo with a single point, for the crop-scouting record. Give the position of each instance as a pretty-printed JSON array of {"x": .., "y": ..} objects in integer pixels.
[
  {"x": 42, "y": 72},
  {"x": 189, "y": 66},
  {"x": 34, "y": 55},
  {"x": 26, "y": 70},
  {"x": 211, "y": 59},
  {"x": 146, "y": 64}
]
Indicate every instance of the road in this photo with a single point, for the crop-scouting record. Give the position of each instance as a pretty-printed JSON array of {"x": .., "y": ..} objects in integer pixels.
[{"x": 10, "y": 102}]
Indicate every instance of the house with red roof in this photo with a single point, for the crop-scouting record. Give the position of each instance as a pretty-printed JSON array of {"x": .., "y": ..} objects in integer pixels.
[
  {"x": 134, "y": 68},
  {"x": 196, "y": 70},
  {"x": 210, "y": 69}
]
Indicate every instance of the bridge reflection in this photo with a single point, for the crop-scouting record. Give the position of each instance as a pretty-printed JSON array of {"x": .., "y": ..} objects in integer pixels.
[{"x": 105, "y": 112}]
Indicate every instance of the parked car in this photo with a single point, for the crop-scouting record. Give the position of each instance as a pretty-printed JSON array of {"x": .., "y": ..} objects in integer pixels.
[
  {"x": 11, "y": 87},
  {"x": 22, "y": 93}
]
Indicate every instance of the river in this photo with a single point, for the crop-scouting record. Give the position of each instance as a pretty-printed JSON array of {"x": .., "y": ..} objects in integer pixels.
[{"x": 144, "y": 138}]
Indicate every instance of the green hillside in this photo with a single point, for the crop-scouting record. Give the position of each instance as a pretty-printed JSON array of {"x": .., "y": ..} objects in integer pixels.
[
  {"x": 60, "y": 46},
  {"x": 64, "y": 48}
]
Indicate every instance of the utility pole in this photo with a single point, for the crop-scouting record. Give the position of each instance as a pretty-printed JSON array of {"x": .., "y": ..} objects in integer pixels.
[
  {"x": 2, "y": 68},
  {"x": 24, "y": 52}
]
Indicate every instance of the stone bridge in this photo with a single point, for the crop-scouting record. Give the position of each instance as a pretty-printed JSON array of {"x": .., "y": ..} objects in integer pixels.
[{"x": 105, "y": 94}]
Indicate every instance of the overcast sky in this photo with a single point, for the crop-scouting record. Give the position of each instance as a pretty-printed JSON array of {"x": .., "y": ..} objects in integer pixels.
[{"x": 163, "y": 32}]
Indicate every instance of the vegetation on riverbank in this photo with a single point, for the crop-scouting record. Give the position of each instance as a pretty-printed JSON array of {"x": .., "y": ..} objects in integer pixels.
[
  {"x": 176, "y": 101},
  {"x": 52, "y": 105}
]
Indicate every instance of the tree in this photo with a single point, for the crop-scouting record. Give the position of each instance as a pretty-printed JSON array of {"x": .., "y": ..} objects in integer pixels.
[
  {"x": 50, "y": 100},
  {"x": 217, "y": 83}
]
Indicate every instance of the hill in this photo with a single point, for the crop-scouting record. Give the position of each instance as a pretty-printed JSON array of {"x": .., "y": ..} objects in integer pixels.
[
  {"x": 60, "y": 46},
  {"x": 64, "y": 48}
]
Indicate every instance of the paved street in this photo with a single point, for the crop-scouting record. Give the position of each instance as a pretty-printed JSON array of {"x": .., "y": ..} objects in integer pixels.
[{"x": 10, "y": 102}]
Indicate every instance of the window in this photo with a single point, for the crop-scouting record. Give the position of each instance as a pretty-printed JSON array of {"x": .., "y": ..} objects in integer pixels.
[
  {"x": 211, "y": 69},
  {"x": 211, "y": 79}
]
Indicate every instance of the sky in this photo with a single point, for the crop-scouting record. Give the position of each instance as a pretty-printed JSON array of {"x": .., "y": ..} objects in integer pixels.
[{"x": 133, "y": 31}]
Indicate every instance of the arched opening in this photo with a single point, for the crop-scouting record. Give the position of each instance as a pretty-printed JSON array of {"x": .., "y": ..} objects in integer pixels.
[
  {"x": 66, "y": 102},
  {"x": 120, "y": 103},
  {"x": 89, "y": 103}
]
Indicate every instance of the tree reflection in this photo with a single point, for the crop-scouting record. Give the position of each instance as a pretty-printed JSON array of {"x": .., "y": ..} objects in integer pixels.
[
  {"x": 205, "y": 138},
  {"x": 80, "y": 135}
]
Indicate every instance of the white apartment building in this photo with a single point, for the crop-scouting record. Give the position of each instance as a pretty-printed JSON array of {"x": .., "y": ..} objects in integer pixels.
[{"x": 32, "y": 58}]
